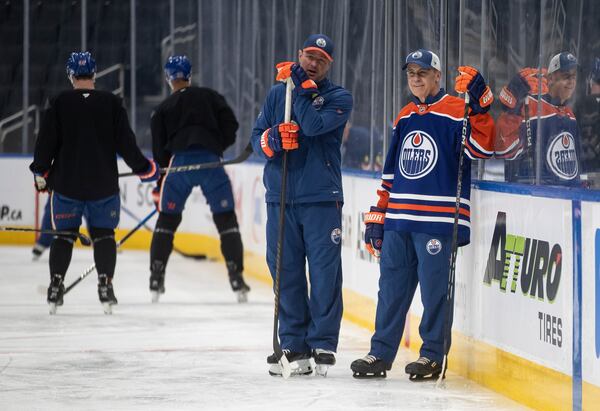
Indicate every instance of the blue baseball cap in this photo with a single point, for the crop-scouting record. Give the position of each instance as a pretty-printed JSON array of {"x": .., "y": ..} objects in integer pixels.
[
  {"x": 424, "y": 58},
  {"x": 564, "y": 61},
  {"x": 81, "y": 64},
  {"x": 321, "y": 43}
]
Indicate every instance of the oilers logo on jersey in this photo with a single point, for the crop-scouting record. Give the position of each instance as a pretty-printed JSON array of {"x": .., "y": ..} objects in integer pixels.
[
  {"x": 562, "y": 157},
  {"x": 418, "y": 155}
]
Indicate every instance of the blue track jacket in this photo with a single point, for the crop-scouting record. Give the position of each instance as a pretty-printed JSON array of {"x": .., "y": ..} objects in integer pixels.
[{"x": 314, "y": 169}]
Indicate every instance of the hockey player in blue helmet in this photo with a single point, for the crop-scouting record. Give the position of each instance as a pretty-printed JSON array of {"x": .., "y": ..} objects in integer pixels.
[
  {"x": 193, "y": 125},
  {"x": 85, "y": 123},
  {"x": 81, "y": 65}
]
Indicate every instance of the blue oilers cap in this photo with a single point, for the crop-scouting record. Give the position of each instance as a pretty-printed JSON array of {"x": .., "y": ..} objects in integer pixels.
[
  {"x": 81, "y": 64},
  {"x": 424, "y": 58},
  {"x": 178, "y": 67},
  {"x": 564, "y": 61},
  {"x": 320, "y": 43}
]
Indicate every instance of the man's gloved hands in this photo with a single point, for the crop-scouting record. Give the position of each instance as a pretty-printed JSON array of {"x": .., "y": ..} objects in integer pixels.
[
  {"x": 303, "y": 84},
  {"x": 283, "y": 136},
  {"x": 469, "y": 80},
  {"x": 39, "y": 181},
  {"x": 522, "y": 84},
  {"x": 152, "y": 173},
  {"x": 374, "y": 230}
]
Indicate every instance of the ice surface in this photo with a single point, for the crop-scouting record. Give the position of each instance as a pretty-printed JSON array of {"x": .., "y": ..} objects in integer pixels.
[{"x": 198, "y": 349}]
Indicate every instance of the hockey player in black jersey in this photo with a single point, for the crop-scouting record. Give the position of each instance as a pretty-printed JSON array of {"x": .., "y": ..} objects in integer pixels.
[
  {"x": 75, "y": 159},
  {"x": 193, "y": 125}
]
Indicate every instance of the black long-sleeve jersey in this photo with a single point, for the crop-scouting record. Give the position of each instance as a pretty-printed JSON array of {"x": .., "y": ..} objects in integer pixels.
[
  {"x": 82, "y": 132},
  {"x": 192, "y": 117}
]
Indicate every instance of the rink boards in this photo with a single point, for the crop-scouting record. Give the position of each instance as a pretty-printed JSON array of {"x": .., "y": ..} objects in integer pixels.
[{"x": 527, "y": 287}]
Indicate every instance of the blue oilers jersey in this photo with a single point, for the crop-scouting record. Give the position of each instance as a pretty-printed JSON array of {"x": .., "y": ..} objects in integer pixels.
[
  {"x": 560, "y": 143},
  {"x": 420, "y": 174}
]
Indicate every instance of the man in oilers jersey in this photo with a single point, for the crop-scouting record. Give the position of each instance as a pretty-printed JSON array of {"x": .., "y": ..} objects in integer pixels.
[
  {"x": 410, "y": 228},
  {"x": 75, "y": 159},
  {"x": 587, "y": 111},
  {"x": 193, "y": 125},
  {"x": 524, "y": 112},
  {"x": 309, "y": 325}
]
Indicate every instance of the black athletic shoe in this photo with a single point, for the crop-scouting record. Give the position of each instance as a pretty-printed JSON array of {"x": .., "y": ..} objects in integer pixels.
[
  {"x": 370, "y": 367},
  {"x": 299, "y": 363},
  {"x": 56, "y": 290},
  {"x": 423, "y": 369},
  {"x": 105, "y": 290}
]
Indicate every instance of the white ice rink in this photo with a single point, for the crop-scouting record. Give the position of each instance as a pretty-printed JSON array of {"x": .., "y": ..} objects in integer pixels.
[{"x": 198, "y": 349}]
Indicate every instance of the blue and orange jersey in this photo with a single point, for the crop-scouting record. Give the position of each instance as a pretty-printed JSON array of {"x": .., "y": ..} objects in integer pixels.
[
  {"x": 420, "y": 174},
  {"x": 560, "y": 142}
]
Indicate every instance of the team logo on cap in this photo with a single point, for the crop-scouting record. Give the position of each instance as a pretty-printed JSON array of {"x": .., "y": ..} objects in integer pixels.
[
  {"x": 571, "y": 57},
  {"x": 562, "y": 157},
  {"x": 418, "y": 155},
  {"x": 433, "y": 246},
  {"x": 336, "y": 236},
  {"x": 417, "y": 55},
  {"x": 321, "y": 42}
]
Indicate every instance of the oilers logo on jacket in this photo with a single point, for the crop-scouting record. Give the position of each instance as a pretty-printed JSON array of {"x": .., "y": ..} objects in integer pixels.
[
  {"x": 560, "y": 142},
  {"x": 421, "y": 169}
]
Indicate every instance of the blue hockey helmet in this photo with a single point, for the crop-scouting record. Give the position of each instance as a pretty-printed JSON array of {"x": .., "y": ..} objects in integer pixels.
[
  {"x": 81, "y": 64},
  {"x": 178, "y": 67}
]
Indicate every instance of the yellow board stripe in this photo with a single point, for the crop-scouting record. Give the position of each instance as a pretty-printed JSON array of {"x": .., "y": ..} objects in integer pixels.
[{"x": 522, "y": 380}]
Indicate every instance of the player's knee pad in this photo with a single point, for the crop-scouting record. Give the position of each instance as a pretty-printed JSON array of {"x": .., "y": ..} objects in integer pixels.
[
  {"x": 167, "y": 223},
  {"x": 231, "y": 241},
  {"x": 162, "y": 240},
  {"x": 102, "y": 234}
]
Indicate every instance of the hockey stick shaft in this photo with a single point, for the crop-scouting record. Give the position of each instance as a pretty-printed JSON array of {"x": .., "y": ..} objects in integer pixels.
[
  {"x": 182, "y": 253},
  {"x": 286, "y": 371},
  {"x": 119, "y": 243},
  {"x": 202, "y": 166},
  {"x": 85, "y": 240},
  {"x": 454, "y": 246}
]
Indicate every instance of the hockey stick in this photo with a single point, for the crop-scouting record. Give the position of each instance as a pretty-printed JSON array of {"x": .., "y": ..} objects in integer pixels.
[
  {"x": 85, "y": 240},
  {"x": 182, "y": 253},
  {"x": 202, "y": 166},
  {"x": 454, "y": 247},
  {"x": 119, "y": 243},
  {"x": 286, "y": 369}
]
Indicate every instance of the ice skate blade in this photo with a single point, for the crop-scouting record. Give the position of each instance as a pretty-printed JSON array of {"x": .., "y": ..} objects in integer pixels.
[
  {"x": 242, "y": 296},
  {"x": 155, "y": 296},
  {"x": 421, "y": 378},
  {"x": 52, "y": 308},
  {"x": 321, "y": 369},
  {"x": 366, "y": 376},
  {"x": 107, "y": 307},
  {"x": 293, "y": 369}
]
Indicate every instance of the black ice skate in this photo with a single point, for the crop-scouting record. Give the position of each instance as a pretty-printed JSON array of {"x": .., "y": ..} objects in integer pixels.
[
  {"x": 299, "y": 362},
  {"x": 323, "y": 360},
  {"x": 157, "y": 284},
  {"x": 56, "y": 290},
  {"x": 370, "y": 367},
  {"x": 106, "y": 293},
  {"x": 423, "y": 369},
  {"x": 239, "y": 286}
]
